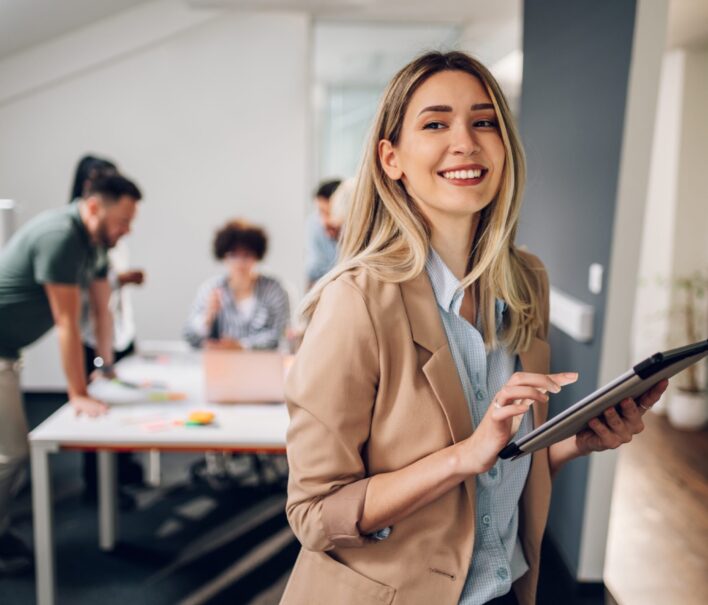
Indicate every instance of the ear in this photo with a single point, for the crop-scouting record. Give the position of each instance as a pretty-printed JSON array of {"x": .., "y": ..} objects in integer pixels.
[
  {"x": 93, "y": 204},
  {"x": 389, "y": 160}
]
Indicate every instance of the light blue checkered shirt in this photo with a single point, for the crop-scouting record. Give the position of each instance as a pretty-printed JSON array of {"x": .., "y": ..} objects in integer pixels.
[{"x": 497, "y": 559}]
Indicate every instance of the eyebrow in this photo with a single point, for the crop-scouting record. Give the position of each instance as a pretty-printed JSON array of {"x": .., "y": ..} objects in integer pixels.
[{"x": 447, "y": 108}]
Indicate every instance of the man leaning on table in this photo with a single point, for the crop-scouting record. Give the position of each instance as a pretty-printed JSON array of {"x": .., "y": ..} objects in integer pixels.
[{"x": 42, "y": 270}]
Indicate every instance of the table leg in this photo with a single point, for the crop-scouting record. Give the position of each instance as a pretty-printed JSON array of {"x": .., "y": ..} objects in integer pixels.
[
  {"x": 42, "y": 514},
  {"x": 107, "y": 500},
  {"x": 153, "y": 468}
]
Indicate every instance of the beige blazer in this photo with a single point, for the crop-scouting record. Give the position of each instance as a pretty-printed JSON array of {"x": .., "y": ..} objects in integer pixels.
[{"x": 373, "y": 389}]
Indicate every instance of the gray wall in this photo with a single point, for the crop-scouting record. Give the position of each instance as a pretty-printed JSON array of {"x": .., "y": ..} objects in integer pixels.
[{"x": 576, "y": 66}]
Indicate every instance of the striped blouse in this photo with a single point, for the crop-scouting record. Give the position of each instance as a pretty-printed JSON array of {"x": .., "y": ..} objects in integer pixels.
[{"x": 258, "y": 324}]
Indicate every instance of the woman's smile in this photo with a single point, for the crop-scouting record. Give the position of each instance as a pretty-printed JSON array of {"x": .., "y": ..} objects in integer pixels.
[{"x": 467, "y": 175}]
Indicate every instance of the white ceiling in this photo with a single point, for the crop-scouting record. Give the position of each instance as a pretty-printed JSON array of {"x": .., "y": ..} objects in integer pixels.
[
  {"x": 24, "y": 23},
  {"x": 421, "y": 11}
]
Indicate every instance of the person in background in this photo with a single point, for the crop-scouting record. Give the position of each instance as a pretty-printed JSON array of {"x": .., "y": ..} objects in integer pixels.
[
  {"x": 43, "y": 268},
  {"x": 88, "y": 169},
  {"x": 240, "y": 309},
  {"x": 120, "y": 275},
  {"x": 322, "y": 235}
]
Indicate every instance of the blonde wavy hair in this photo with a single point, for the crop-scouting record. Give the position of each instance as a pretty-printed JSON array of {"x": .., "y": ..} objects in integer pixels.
[{"x": 387, "y": 235}]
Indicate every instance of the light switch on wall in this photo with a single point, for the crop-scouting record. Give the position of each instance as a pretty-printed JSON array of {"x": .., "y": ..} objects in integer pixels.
[{"x": 595, "y": 278}]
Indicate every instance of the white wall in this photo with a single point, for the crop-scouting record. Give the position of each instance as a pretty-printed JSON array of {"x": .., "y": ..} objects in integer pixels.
[
  {"x": 690, "y": 252},
  {"x": 675, "y": 243},
  {"x": 206, "y": 111},
  {"x": 691, "y": 229},
  {"x": 650, "y": 328}
]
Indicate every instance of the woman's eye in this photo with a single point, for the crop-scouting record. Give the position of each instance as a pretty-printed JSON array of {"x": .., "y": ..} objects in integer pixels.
[
  {"x": 486, "y": 123},
  {"x": 433, "y": 126}
]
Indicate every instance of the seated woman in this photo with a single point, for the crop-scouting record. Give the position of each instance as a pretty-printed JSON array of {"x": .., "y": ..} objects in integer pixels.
[{"x": 240, "y": 309}]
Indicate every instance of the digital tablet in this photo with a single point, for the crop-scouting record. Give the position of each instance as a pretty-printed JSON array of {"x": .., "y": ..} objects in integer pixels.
[{"x": 633, "y": 383}]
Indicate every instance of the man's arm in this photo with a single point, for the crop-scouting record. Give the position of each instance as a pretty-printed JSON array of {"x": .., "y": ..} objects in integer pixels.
[
  {"x": 65, "y": 303},
  {"x": 99, "y": 297}
]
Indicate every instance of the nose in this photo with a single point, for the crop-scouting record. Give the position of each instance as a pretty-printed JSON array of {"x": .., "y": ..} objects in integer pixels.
[{"x": 464, "y": 141}]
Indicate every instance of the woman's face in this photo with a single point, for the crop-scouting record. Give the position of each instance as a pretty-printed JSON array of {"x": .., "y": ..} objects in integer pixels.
[{"x": 450, "y": 154}]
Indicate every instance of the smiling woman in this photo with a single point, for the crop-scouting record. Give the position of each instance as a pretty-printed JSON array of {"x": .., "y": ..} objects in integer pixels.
[
  {"x": 432, "y": 323},
  {"x": 458, "y": 120}
]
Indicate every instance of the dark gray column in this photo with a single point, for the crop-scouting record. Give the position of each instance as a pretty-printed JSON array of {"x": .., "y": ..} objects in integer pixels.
[{"x": 576, "y": 67}]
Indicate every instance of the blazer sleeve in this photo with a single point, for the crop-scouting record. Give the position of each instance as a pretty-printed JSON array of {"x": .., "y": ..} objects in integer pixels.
[{"x": 330, "y": 393}]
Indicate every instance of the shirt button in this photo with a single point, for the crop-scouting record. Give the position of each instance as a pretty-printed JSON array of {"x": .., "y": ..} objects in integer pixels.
[
  {"x": 480, "y": 394},
  {"x": 487, "y": 520},
  {"x": 493, "y": 472},
  {"x": 502, "y": 573}
]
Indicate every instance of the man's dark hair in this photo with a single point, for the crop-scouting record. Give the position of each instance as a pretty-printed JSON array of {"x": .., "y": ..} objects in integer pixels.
[
  {"x": 113, "y": 187},
  {"x": 327, "y": 188},
  {"x": 240, "y": 235}
]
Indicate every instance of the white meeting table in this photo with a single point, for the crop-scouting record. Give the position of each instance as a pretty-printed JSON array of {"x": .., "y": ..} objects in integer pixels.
[{"x": 141, "y": 426}]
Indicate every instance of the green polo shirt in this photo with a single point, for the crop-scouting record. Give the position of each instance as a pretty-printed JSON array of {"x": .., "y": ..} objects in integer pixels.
[{"x": 52, "y": 248}]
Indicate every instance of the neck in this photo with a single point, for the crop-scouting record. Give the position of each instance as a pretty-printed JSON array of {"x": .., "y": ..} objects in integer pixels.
[
  {"x": 452, "y": 239},
  {"x": 85, "y": 216}
]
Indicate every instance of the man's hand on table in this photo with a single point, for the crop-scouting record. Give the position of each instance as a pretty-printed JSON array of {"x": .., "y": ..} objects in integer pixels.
[{"x": 88, "y": 405}]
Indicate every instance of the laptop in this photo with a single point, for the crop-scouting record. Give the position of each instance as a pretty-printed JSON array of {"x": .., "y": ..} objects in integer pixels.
[
  {"x": 632, "y": 383},
  {"x": 245, "y": 376}
]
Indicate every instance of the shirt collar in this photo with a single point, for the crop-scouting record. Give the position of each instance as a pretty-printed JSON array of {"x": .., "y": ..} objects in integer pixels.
[{"x": 446, "y": 287}]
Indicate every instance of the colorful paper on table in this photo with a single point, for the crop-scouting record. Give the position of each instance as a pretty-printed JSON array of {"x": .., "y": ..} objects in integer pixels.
[
  {"x": 116, "y": 392},
  {"x": 200, "y": 418}
]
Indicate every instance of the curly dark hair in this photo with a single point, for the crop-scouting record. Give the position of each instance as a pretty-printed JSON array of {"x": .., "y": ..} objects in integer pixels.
[{"x": 240, "y": 235}]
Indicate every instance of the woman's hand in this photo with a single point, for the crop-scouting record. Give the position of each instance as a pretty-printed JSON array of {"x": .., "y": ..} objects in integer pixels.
[
  {"x": 480, "y": 451},
  {"x": 614, "y": 429},
  {"x": 213, "y": 307}
]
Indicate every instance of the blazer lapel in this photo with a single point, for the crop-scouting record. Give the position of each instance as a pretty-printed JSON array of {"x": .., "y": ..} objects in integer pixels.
[
  {"x": 440, "y": 370},
  {"x": 428, "y": 332}
]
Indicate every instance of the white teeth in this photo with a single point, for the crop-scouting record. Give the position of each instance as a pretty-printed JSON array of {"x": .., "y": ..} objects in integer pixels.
[{"x": 462, "y": 174}]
